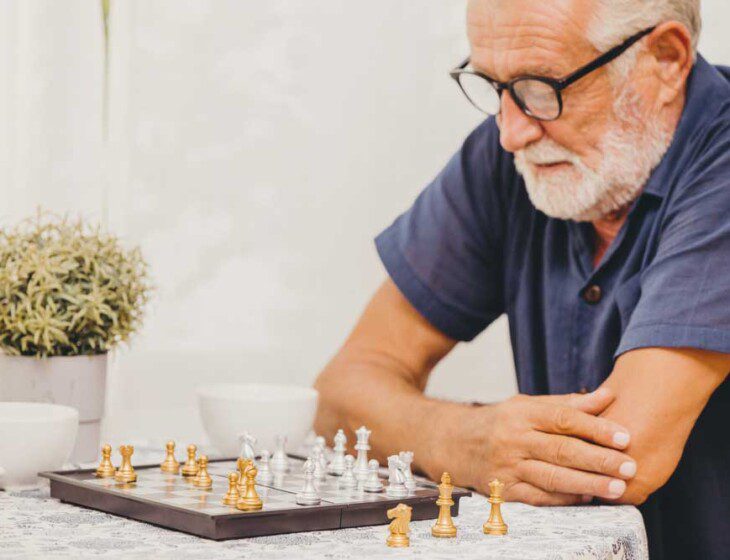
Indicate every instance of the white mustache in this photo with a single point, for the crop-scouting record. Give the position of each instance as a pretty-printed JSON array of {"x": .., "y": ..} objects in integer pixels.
[{"x": 546, "y": 152}]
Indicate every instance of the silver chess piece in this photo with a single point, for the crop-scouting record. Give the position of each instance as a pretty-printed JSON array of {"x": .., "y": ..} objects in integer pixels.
[
  {"x": 373, "y": 484},
  {"x": 397, "y": 478},
  {"x": 264, "y": 476},
  {"x": 247, "y": 443},
  {"x": 306, "y": 448},
  {"x": 308, "y": 496},
  {"x": 362, "y": 447},
  {"x": 407, "y": 458},
  {"x": 348, "y": 480},
  {"x": 316, "y": 458},
  {"x": 337, "y": 465},
  {"x": 280, "y": 462},
  {"x": 321, "y": 443}
]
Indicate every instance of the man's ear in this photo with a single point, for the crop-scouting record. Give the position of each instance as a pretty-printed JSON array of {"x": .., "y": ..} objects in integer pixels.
[{"x": 671, "y": 46}]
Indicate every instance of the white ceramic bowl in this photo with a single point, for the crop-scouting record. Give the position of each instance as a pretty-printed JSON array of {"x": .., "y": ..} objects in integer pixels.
[
  {"x": 34, "y": 437},
  {"x": 264, "y": 410}
]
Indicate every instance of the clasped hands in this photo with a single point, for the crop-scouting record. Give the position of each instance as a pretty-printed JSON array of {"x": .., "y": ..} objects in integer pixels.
[{"x": 548, "y": 450}]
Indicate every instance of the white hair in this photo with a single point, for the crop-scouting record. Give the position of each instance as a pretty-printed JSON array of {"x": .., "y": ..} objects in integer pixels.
[{"x": 616, "y": 20}]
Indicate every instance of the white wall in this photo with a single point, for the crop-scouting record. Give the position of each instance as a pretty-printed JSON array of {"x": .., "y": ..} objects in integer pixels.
[{"x": 255, "y": 150}]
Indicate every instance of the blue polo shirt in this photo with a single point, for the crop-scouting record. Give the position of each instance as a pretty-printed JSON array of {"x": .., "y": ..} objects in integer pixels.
[{"x": 473, "y": 247}]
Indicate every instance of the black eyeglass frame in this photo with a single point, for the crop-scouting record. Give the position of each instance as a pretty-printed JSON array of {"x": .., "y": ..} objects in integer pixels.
[{"x": 558, "y": 85}]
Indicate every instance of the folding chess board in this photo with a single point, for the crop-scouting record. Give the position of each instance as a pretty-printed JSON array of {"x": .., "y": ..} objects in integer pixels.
[{"x": 171, "y": 501}]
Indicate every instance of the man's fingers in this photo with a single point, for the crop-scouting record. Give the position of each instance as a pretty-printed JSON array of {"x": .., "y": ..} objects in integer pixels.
[
  {"x": 575, "y": 453},
  {"x": 534, "y": 496},
  {"x": 590, "y": 403},
  {"x": 564, "y": 420},
  {"x": 555, "y": 479}
]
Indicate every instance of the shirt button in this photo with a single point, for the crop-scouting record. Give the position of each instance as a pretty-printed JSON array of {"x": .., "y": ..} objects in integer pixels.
[{"x": 593, "y": 294}]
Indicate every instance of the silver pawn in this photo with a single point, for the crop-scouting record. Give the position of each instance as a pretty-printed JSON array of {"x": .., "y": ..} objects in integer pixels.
[
  {"x": 265, "y": 476},
  {"x": 337, "y": 466},
  {"x": 316, "y": 458},
  {"x": 280, "y": 462},
  {"x": 348, "y": 480},
  {"x": 373, "y": 484},
  {"x": 308, "y": 496},
  {"x": 321, "y": 443}
]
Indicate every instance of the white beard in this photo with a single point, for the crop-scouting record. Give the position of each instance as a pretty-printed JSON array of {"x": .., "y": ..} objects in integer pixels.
[{"x": 632, "y": 147}]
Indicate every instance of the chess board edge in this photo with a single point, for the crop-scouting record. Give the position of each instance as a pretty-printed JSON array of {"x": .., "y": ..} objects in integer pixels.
[{"x": 236, "y": 524}]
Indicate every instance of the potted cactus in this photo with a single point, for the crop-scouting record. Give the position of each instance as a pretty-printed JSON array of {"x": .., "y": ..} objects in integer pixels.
[{"x": 69, "y": 294}]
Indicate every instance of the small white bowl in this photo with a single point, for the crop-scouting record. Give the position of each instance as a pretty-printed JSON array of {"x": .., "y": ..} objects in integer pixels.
[
  {"x": 264, "y": 410},
  {"x": 34, "y": 437}
]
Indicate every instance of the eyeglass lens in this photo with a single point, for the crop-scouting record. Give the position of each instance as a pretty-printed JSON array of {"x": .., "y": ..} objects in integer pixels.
[{"x": 538, "y": 98}]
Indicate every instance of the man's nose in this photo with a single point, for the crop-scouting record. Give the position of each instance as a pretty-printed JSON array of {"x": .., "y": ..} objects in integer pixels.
[{"x": 516, "y": 130}]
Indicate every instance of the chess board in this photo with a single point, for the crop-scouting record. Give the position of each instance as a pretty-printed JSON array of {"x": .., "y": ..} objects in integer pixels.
[{"x": 171, "y": 501}]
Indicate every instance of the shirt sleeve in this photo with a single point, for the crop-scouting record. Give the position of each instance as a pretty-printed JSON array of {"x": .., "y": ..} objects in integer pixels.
[
  {"x": 444, "y": 253},
  {"x": 685, "y": 291}
]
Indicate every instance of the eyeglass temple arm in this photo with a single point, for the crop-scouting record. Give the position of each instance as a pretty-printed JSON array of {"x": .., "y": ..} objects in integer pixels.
[{"x": 605, "y": 58}]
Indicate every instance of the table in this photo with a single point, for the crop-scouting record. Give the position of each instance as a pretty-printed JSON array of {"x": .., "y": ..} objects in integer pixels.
[{"x": 34, "y": 525}]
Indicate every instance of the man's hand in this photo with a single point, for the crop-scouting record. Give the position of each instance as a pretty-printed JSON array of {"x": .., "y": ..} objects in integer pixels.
[{"x": 547, "y": 450}]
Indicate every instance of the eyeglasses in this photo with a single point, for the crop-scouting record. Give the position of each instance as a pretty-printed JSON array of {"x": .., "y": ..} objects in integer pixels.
[{"x": 538, "y": 97}]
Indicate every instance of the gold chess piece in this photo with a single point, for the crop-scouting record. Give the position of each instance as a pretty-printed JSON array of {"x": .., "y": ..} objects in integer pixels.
[
  {"x": 399, "y": 529},
  {"x": 190, "y": 468},
  {"x": 242, "y": 465},
  {"x": 195, "y": 479},
  {"x": 202, "y": 479},
  {"x": 444, "y": 527},
  {"x": 170, "y": 464},
  {"x": 495, "y": 525},
  {"x": 125, "y": 472},
  {"x": 231, "y": 497},
  {"x": 106, "y": 468},
  {"x": 250, "y": 500}
]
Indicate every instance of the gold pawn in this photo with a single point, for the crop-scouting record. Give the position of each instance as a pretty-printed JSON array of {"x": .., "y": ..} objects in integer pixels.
[
  {"x": 190, "y": 468},
  {"x": 202, "y": 479},
  {"x": 170, "y": 464},
  {"x": 495, "y": 525},
  {"x": 444, "y": 527},
  {"x": 250, "y": 500},
  {"x": 106, "y": 468},
  {"x": 231, "y": 498},
  {"x": 125, "y": 472}
]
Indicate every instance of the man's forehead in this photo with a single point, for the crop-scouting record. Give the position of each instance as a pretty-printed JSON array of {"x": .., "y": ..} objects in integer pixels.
[{"x": 516, "y": 37}]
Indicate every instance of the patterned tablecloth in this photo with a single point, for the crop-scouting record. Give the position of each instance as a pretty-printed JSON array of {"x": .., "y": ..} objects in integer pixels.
[{"x": 33, "y": 525}]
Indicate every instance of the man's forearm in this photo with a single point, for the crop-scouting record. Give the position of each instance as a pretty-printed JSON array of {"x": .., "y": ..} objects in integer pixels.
[{"x": 358, "y": 388}]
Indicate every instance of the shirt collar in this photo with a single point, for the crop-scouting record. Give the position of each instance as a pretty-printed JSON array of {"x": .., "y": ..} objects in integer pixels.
[{"x": 707, "y": 88}]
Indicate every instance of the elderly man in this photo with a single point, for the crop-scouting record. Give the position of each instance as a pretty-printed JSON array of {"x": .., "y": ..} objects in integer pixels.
[{"x": 594, "y": 210}]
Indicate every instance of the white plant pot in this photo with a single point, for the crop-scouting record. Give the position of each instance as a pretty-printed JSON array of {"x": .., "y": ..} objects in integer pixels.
[{"x": 76, "y": 381}]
